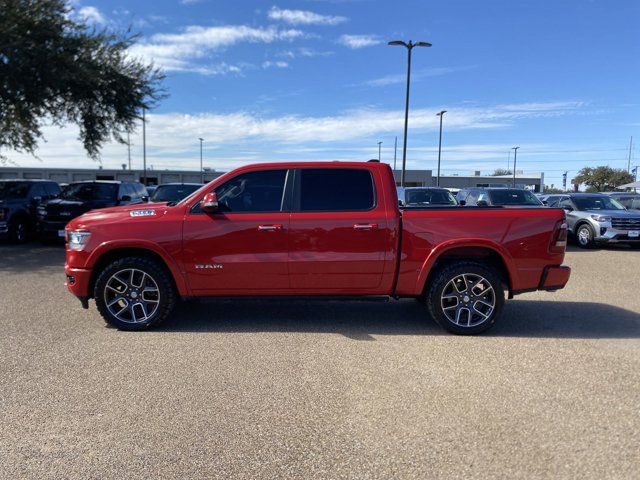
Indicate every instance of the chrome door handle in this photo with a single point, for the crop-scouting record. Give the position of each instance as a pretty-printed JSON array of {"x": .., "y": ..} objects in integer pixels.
[
  {"x": 269, "y": 228},
  {"x": 365, "y": 226}
]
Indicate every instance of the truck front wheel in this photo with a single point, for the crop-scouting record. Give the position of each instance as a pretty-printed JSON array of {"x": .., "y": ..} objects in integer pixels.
[
  {"x": 134, "y": 293},
  {"x": 465, "y": 297}
]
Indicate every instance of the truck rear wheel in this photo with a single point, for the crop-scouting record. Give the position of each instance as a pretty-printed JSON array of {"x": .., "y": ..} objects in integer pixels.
[
  {"x": 134, "y": 293},
  {"x": 466, "y": 297}
]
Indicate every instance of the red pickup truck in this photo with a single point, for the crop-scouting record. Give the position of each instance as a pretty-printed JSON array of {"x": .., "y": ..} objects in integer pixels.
[{"x": 329, "y": 229}]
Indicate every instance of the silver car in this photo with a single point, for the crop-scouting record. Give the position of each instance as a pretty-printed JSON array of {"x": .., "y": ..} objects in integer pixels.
[{"x": 594, "y": 218}]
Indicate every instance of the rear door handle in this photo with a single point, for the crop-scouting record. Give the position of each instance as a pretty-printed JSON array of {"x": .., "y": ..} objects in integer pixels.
[
  {"x": 365, "y": 226},
  {"x": 269, "y": 228}
]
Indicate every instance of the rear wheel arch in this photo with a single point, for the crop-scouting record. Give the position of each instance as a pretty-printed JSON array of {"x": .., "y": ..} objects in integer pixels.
[{"x": 479, "y": 254}]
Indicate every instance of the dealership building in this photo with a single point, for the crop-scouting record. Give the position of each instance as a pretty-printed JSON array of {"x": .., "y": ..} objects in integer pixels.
[{"x": 413, "y": 178}]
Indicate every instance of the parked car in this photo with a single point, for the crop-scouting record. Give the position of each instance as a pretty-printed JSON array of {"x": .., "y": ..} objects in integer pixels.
[
  {"x": 425, "y": 196},
  {"x": 629, "y": 200},
  {"x": 80, "y": 197},
  {"x": 19, "y": 201},
  {"x": 151, "y": 189},
  {"x": 594, "y": 218},
  {"x": 173, "y": 192},
  {"x": 497, "y": 196},
  {"x": 321, "y": 228}
]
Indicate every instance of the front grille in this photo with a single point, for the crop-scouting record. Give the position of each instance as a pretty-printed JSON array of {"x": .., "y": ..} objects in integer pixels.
[{"x": 626, "y": 223}]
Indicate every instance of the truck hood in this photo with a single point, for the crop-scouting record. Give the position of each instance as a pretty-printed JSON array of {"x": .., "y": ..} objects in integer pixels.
[{"x": 125, "y": 213}]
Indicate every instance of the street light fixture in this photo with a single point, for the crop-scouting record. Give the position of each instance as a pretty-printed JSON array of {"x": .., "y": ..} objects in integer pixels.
[
  {"x": 409, "y": 46},
  {"x": 441, "y": 114},
  {"x": 515, "y": 156},
  {"x": 201, "y": 170}
]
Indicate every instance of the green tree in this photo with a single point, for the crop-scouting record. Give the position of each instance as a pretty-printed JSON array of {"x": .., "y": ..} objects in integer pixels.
[
  {"x": 501, "y": 171},
  {"x": 55, "y": 69},
  {"x": 552, "y": 189},
  {"x": 603, "y": 178}
]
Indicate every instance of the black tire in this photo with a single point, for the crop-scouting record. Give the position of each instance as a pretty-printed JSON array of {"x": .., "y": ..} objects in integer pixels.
[
  {"x": 158, "y": 277},
  {"x": 585, "y": 235},
  {"x": 19, "y": 230},
  {"x": 446, "y": 278}
]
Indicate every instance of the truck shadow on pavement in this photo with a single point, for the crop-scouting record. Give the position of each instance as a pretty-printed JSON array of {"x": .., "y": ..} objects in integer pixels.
[{"x": 364, "y": 320}]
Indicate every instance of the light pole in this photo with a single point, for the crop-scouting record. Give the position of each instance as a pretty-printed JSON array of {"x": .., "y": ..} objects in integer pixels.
[
  {"x": 441, "y": 114},
  {"x": 395, "y": 155},
  {"x": 409, "y": 46},
  {"x": 515, "y": 156},
  {"x": 144, "y": 147},
  {"x": 379, "y": 149},
  {"x": 129, "y": 149},
  {"x": 201, "y": 170}
]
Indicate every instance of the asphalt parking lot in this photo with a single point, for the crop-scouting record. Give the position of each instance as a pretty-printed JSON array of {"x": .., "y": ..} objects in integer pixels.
[{"x": 257, "y": 389}]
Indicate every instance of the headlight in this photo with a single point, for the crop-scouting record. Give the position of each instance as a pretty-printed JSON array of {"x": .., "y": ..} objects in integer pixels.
[
  {"x": 601, "y": 218},
  {"x": 41, "y": 212},
  {"x": 77, "y": 240}
]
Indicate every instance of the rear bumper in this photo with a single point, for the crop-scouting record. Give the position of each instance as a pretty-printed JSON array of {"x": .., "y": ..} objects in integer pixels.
[
  {"x": 78, "y": 281},
  {"x": 554, "y": 278}
]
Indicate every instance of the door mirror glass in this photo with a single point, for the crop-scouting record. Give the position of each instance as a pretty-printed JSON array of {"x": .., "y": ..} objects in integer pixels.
[{"x": 209, "y": 203}]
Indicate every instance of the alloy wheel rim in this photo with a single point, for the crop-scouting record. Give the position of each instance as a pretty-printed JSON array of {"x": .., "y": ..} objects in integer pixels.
[
  {"x": 468, "y": 300},
  {"x": 584, "y": 236},
  {"x": 132, "y": 295}
]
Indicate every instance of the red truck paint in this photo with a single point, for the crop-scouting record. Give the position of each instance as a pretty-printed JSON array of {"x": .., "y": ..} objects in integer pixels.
[{"x": 383, "y": 251}]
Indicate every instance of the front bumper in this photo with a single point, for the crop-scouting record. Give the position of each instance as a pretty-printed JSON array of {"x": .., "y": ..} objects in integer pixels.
[
  {"x": 51, "y": 229},
  {"x": 4, "y": 229},
  {"x": 607, "y": 234},
  {"x": 554, "y": 278},
  {"x": 78, "y": 280}
]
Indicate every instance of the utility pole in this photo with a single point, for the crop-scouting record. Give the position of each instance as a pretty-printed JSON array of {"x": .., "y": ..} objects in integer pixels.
[
  {"x": 129, "y": 148},
  {"x": 144, "y": 147},
  {"x": 515, "y": 157},
  {"x": 629, "y": 160},
  {"x": 441, "y": 114},
  {"x": 379, "y": 150},
  {"x": 508, "y": 162},
  {"x": 409, "y": 46},
  {"x": 201, "y": 169}
]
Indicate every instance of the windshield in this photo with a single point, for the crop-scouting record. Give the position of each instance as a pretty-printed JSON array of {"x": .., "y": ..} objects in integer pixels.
[
  {"x": 597, "y": 203},
  {"x": 429, "y": 197},
  {"x": 513, "y": 197},
  {"x": 90, "y": 192},
  {"x": 172, "y": 193},
  {"x": 13, "y": 190}
]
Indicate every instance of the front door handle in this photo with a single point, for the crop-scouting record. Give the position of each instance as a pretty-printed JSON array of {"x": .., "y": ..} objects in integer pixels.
[
  {"x": 269, "y": 228},
  {"x": 365, "y": 226}
]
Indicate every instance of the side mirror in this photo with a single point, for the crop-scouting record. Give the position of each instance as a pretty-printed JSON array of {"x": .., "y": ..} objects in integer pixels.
[
  {"x": 209, "y": 203},
  {"x": 145, "y": 198},
  {"x": 400, "y": 203},
  {"x": 462, "y": 203},
  {"x": 125, "y": 198},
  {"x": 482, "y": 203},
  {"x": 36, "y": 201},
  {"x": 567, "y": 208}
]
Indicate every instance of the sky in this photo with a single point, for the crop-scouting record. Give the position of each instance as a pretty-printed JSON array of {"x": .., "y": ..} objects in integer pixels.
[{"x": 316, "y": 80}]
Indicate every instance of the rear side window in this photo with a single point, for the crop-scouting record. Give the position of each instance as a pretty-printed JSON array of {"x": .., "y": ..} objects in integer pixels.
[{"x": 336, "y": 190}]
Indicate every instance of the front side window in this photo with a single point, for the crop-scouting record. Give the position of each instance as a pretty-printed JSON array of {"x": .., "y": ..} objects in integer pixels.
[
  {"x": 336, "y": 190},
  {"x": 13, "y": 190},
  {"x": 253, "y": 192},
  {"x": 597, "y": 203},
  {"x": 428, "y": 197}
]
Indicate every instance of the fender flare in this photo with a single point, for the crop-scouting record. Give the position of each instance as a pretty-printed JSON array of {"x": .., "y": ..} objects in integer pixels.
[
  {"x": 140, "y": 244},
  {"x": 444, "y": 247}
]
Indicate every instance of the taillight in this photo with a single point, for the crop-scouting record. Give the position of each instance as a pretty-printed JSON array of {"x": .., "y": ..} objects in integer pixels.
[{"x": 559, "y": 242}]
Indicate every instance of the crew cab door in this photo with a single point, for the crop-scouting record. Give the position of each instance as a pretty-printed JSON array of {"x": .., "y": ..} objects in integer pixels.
[
  {"x": 243, "y": 248},
  {"x": 339, "y": 235}
]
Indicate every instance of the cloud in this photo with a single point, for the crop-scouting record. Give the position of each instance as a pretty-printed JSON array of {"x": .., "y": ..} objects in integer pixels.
[
  {"x": 415, "y": 76},
  {"x": 179, "y": 51},
  {"x": 304, "y": 17},
  {"x": 277, "y": 64},
  {"x": 171, "y": 136},
  {"x": 92, "y": 15},
  {"x": 359, "y": 41}
]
